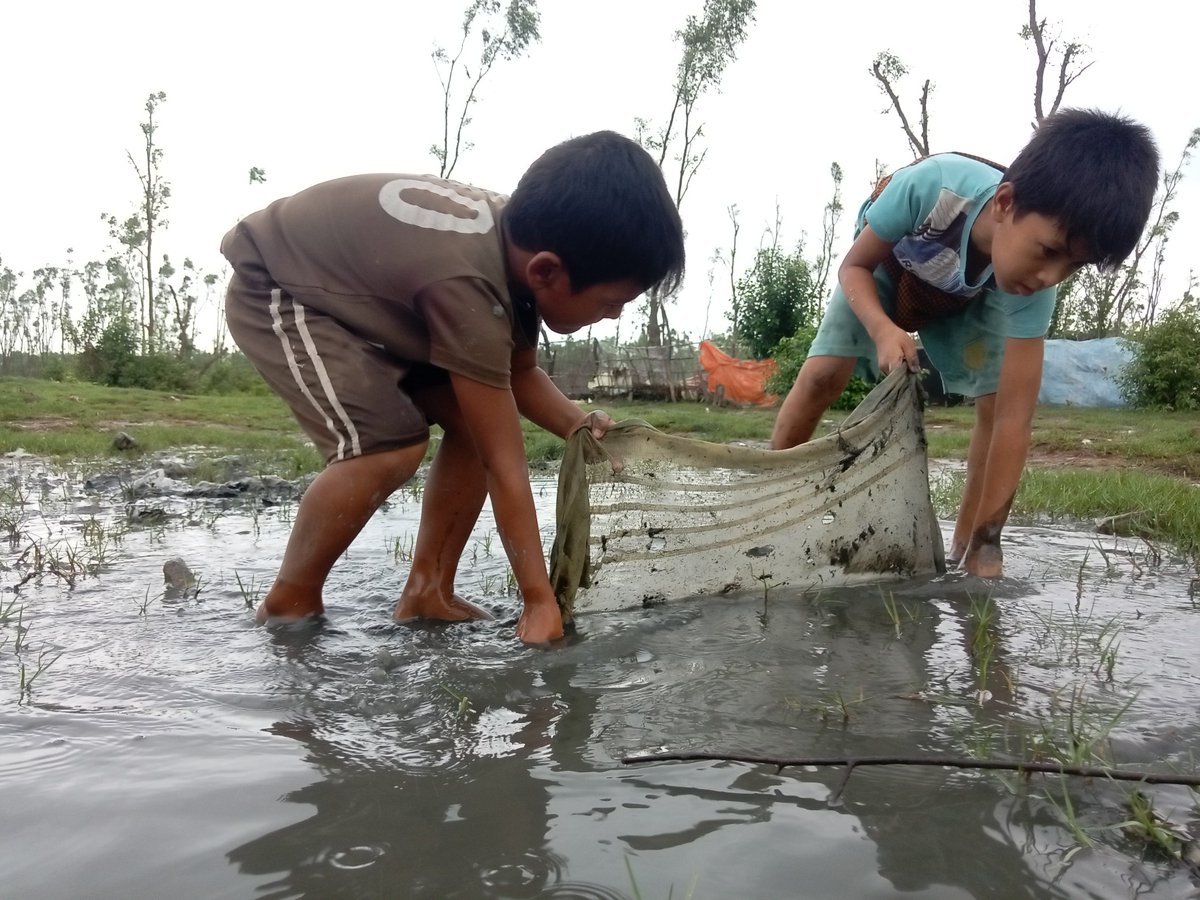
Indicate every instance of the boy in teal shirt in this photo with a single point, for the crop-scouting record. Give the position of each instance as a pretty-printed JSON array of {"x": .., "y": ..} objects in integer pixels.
[{"x": 969, "y": 257}]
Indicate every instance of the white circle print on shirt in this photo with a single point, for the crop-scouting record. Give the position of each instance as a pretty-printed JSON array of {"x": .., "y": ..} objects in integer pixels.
[{"x": 476, "y": 215}]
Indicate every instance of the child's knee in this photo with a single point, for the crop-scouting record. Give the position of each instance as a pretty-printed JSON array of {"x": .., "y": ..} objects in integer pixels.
[
  {"x": 825, "y": 378},
  {"x": 386, "y": 470}
]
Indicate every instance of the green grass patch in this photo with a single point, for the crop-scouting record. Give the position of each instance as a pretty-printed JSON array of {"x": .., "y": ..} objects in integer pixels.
[
  {"x": 59, "y": 404},
  {"x": 1165, "y": 440},
  {"x": 1151, "y": 505}
]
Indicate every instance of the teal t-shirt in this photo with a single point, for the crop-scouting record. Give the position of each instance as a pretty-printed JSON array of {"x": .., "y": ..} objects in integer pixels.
[{"x": 926, "y": 212}]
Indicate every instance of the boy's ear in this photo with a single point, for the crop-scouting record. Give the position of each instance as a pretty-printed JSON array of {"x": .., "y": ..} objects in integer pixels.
[
  {"x": 1004, "y": 201},
  {"x": 545, "y": 270}
]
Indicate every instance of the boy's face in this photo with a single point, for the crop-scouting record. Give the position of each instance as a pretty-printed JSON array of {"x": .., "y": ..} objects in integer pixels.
[
  {"x": 1031, "y": 251},
  {"x": 565, "y": 311}
]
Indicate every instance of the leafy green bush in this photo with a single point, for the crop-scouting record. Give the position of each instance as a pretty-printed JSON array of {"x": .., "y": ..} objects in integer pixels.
[
  {"x": 103, "y": 361},
  {"x": 115, "y": 361},
  {"x": 789, "y": 355},
  {"x": 775, "y": 299},
  {"x": 1165, "y": 369},
  {"x": 230, "y": 374},
  {"x": 57, "y": 367},
  {"x": 155, "y": 372}
]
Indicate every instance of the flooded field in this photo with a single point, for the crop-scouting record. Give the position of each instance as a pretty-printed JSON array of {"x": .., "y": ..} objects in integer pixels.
[{"x": 154, "y": 742}]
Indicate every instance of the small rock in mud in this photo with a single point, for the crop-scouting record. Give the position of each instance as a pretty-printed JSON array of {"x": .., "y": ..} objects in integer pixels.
[{"x": 177, "y": 574}]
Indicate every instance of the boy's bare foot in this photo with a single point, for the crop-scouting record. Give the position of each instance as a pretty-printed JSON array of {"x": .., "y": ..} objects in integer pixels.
[
  {"x": 452, "y": 609},
  {"x": 265, "y": 616},
  {"x": 984, "y": 560},
  {"x": 282, "y": 605},
  {"x": 540, "y": 623}
]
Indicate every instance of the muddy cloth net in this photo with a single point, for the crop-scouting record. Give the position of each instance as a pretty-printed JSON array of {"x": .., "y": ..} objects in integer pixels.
[{"x": 644, "y": 517}]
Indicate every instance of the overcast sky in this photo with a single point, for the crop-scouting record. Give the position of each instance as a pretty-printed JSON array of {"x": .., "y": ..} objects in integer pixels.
[{"x": 314, "y": 90}]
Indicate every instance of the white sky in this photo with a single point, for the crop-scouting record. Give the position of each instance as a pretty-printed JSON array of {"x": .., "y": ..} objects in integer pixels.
[{"x": 314, "y": 90}]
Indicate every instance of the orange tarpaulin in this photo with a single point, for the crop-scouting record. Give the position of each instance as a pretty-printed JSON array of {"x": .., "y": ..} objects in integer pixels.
[{"x": 741, "y": 380}]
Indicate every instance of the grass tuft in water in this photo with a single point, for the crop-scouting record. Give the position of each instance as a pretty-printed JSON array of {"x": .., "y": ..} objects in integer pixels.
[
  {"x": 403, "y": 547},
  {"x": 1066, "y": 812},
  {"x": 144, "y": 603},
  {"x": 982, "y": 619},
  {"x": 1145, "y": 826},
  {"x": 250, "y": 590},
  {"x": 898, "y": 613},
  {"x": 1078, "y": 735},
  {"x": 29, "y": 675}
]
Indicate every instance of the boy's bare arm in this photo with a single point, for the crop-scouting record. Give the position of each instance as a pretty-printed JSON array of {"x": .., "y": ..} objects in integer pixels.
[
  {"x": 893, "y": 345},
  {"x": 541, "y": 402},
  {"x": 1012, "y": 422},
  {"x": 492, "y": 418}
]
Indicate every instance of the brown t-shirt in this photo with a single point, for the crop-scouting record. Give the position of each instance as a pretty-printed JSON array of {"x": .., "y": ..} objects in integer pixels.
[{"x": 413, "y": 263}]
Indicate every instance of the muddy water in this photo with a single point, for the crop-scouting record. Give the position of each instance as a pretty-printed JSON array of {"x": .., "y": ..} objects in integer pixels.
[{"x": 168, "y": 747}]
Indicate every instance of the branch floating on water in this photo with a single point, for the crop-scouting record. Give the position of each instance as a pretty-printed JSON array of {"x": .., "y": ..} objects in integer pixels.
[{"x": 952, "y": 762}]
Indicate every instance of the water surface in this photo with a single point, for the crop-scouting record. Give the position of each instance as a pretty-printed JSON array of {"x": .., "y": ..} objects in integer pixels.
[{"x": 170, "y": 747}]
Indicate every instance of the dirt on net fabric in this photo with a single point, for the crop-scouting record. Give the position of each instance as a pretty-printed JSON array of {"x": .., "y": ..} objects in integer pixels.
[{"x": 645, "y": 517}]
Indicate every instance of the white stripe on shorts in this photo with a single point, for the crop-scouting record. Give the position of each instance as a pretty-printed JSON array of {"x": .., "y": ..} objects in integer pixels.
[{"x": 322, "y": 374}]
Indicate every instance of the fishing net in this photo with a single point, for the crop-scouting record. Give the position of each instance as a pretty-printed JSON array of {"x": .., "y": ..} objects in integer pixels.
[{"x": 644, "y": 517}]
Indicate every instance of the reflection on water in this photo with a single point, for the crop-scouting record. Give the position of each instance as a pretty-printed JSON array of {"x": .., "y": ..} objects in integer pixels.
[{"x": 167, "y": 746}]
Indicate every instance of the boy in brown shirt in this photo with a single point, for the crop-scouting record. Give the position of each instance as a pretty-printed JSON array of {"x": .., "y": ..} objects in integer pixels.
[{"x": 376, "y": 304}]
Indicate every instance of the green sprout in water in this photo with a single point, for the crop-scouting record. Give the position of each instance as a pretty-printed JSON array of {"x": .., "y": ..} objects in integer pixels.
[
  {"x": 1081, "y": 737},
  {"x": 402, "y": 549},
  {"x": 1151, "y": 829},
  {"x": 464, "y": 702},
  {"x": 897, "y": 613},
  {"x": 144, "y": 603},
  {"x": 6, "y": 610},
  {"x": 837, "y": 705},
  {"x": 982, "y": 617},
  {"x": 27, "y": 677},
  {"x": 1066, "y": 812},
  {"x": 250, "y": 590}
]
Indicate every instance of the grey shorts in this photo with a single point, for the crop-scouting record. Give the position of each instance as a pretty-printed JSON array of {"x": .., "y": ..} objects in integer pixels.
[{"x": 349, "y": 396}]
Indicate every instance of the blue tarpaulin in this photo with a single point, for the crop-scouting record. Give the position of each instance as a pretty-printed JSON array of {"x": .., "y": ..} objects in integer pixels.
[{"x": 1083, "y": 373}]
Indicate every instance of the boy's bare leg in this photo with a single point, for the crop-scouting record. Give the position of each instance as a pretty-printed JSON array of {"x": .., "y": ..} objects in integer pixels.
[
  {"x": 332, "y": 512},
  {"x": 453, "y": 496},
  {"x": 450, "y": 505},
  {"x": 818, "y": 385}
]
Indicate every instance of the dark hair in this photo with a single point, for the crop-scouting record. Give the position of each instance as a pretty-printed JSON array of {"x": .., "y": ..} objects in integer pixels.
[
  {"x": 600, "y": 203},
  {"x": 1096, "y": 173}
]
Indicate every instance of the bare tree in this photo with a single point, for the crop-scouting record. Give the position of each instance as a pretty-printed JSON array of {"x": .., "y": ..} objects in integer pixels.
[
  {"x": 500, "y": 37},
  {"x": 137, "y": 233},
  {"x": 1053, "y": 54},
  {"x": 829, "y": 223},
  {"x": 887, "y": 69},
  {"x": 1046, "y": 45},
  {"x": 710, "y": 44},
  {"x": 730, "y": 262}
]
